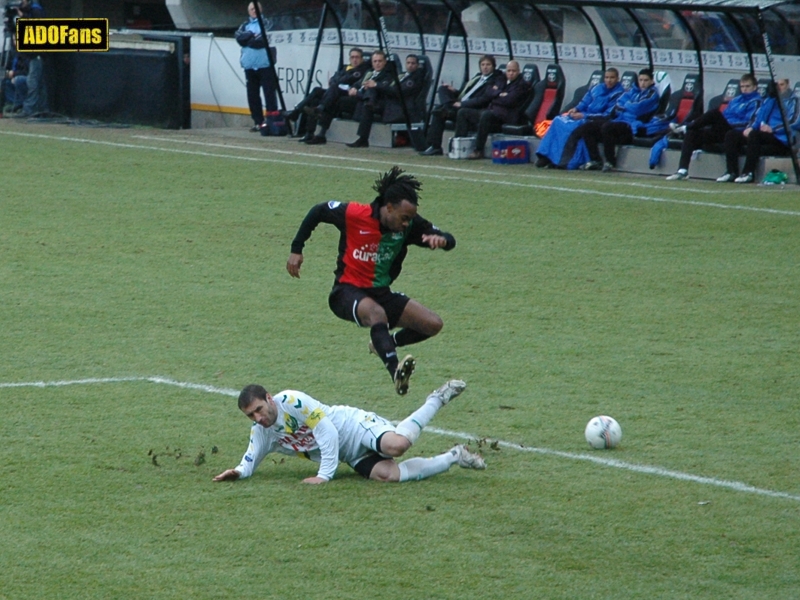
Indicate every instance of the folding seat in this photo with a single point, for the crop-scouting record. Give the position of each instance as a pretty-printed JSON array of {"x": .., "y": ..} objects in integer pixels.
[
  {"x": 596, "y": 77},
  {"x": 530, "y": 73},
  {"x": 721, "y": 102},
  {"x": 685, "y": 103},
  {"x": 628, "y": 78},
  {"x": 766, "y": 87},
  {"x": 548, "y": 95},
  {"x": 421, "y": 104}
]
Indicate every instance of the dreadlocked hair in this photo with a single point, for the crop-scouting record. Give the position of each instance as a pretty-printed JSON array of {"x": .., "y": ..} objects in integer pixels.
[{"x": 393, "y": 187}]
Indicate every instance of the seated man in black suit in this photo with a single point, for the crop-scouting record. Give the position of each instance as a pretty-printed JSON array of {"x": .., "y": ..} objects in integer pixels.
[
  {"x": 380, "y": 98},
  {"x": 506, "y": 107},
  {"x": 342, "y": 86},
  {"x": 474, "y": 95}
]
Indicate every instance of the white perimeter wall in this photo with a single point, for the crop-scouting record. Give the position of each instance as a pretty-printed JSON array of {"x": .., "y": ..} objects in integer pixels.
[{"x": 218, "y": 80}]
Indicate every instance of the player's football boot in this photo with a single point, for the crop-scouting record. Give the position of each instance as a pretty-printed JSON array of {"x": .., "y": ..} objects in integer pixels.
[
  {"x": 403, "y": 373},
  {"x": 467, "y": 459},
  {"x": 449, "y": 390}
]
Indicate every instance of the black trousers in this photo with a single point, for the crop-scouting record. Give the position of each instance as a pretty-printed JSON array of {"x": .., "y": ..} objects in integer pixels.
[
  {"x": 591, "y": 132},
  {"x": 757, "y": 144},
  {"x": 333, "y": 103},
  {"x": 613, "y": 134},
  {"x": 709, "y": 128},
  {"x": 439, "y": 115},
  {"x": 256, "y": 81},
  {"x": 484, "y": 121}
]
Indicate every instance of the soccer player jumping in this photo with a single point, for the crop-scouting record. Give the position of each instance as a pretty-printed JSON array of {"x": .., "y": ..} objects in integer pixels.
[{"x": 373, "y": 242}]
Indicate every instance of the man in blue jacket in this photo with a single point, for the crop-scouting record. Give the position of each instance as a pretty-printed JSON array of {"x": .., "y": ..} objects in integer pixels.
[
  {"x": 256, "y": 63},
  {"x": 712, "y": 126},
  {"x": 638, "y": 104},
  {"x": 764, "y": 136},
  {"x": 596, "y": 104}
]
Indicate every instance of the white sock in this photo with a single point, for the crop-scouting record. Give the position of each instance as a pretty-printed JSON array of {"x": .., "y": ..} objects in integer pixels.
[
  {"x": 412, "y": 426},
  {"x": 415, "y": 469}
]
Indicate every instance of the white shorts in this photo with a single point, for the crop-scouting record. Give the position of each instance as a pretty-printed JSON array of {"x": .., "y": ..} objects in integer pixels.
[{"x": 359, "y": 432}]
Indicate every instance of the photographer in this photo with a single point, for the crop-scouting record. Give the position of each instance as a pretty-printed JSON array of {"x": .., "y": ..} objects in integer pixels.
[
  {"x": 36, "y": 98},
  {"x": 14, "y": 87}
]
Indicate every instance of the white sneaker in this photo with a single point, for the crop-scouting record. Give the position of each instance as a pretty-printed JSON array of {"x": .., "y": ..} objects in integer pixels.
[
  {"x": 725, "y": 178},
  {"x": 678, "y": 129},
  {"x": 449, "y": 390},
  {"x": 746, "y": 178},
  {"x": 467, "y": 459},
  {"x": 679, "y": 176}
]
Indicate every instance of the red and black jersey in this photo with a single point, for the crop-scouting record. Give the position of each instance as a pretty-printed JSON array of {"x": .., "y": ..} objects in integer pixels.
[{"x": 369, "y": 255}]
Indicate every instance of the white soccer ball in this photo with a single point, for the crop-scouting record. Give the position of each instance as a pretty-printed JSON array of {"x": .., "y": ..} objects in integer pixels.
[{"x": 603, "y": 432}]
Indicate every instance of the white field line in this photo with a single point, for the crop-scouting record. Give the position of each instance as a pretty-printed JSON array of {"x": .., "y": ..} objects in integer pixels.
[
  {"x": 461, "y": 178},
  {"x": 737, "y": 486},
  {"x": 561, "y": 176}
]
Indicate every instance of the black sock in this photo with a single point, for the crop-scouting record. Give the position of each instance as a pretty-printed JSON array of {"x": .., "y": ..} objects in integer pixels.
[
  {"x": 384, "y": 345},
  {"x": 406, "y": 337}
]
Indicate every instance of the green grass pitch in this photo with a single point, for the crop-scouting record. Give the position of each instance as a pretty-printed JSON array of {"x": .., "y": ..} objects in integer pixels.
[{"x": 130, "y": 254}]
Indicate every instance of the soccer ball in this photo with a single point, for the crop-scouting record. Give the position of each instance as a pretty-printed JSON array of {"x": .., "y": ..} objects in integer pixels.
[{"x": 603, "y": 432}]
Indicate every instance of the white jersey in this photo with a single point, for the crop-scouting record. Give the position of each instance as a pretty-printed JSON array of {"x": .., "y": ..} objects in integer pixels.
[{"x": 308, "y": 428}]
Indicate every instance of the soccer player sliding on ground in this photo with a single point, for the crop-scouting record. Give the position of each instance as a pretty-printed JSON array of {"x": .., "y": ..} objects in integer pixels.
[
  {"x": 295, "y": 423},
  {"x": 373, "y": 242}
]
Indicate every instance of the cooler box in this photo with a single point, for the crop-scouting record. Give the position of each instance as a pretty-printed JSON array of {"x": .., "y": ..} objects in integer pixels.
[
  {"x": 511, "y": 152},
  {"x": 461, "y": 147}
]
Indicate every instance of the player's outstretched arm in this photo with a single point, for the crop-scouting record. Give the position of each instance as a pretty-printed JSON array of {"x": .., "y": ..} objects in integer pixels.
[
  {"x": 294, "y": 263},
  {"x": 229, "y": 475}
]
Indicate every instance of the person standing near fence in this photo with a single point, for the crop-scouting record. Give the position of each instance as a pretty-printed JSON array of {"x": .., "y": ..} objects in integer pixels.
[{"x": 256, "y": 65}]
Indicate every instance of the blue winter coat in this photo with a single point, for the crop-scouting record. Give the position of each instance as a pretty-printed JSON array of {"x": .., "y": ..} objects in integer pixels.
[
  {"x": 248, "y": 36},
  {"x": 636, "y": 105},
  {"x": 599, "y": 101},
  {"x": 770, "y": 114},
  {"x": 741, "y": 110}
]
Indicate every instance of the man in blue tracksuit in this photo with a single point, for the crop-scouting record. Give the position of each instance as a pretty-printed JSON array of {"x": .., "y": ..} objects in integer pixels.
[
  {"x": 256, "y": 63},
  {"x": 557, "y": 147},
  {"x": 713, "y": 126},
  {"x": 635, "y": 106},
  {"x": 764, "y": 136}
]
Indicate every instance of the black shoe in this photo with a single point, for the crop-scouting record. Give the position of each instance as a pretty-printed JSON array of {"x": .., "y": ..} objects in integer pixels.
[
  {"x": 432, "y": 151},
  {"x": 609, "y": 167},
  {"x": 543, "y": 162},
  {"x": 359, "y": 143},
  {"x": 306, "y": 139},
  {"x": 592, "y": 165},
  {"x": 255, "y": 129},
  {"x": 317, "y": 140}
]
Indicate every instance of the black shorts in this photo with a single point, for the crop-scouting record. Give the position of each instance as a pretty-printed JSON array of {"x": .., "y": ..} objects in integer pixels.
[
  {"x": 344, "y": 299},
  {"x": 365, "y": 465}
]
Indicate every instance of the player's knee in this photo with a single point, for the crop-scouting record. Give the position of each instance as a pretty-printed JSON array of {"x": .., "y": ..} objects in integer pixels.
[
  {"x": 437, "y": 324},
  {"x": 433, "y": 325},
  {"x": 373, "y": 316},
  {"x": 394, "y": 445}
]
